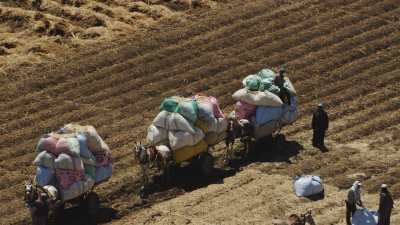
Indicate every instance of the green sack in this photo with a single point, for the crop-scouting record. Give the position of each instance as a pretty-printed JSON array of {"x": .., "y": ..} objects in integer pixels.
[
  {"x": 266, "y": 74},
  {"x": 253, "y": 84},
  {"x": 188, "y": 109},
  {"x": 90, "y": 171},
  {"x": 169, "y": 104}
]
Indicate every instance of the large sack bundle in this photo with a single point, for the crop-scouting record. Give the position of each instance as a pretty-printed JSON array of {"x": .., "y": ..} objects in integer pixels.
[
  {"x": 157, "y": 135},
  {"x": 67, "y": 162},
  {"x": 173, "y": 121},
  {"x": 364, "y": 217},
  {"x": 244, "y": 110},
  {"x": 308, "y": 185},
  {"x": 45, "y": 159},
  {"x": 47, "y": 143},
  {"x": 66, "y": 178},
  {"x": 44, "y": 176},
  {"x": 257, "y": 98},
  {"x": 77, "y": 189},
  {"x": 289, "y": 112},
  {"x": 103, "y": 173},
  {"x": 180, "y": 139},
  {"x": 188, "y": 152},
  {"x": 86, "y": 155},
  {"x": 265, "y": 114},
  {"x": 266, "y": 129}
]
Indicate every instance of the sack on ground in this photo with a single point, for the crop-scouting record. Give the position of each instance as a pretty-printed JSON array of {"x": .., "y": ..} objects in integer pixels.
[
  {"x": 364, "y": 217},
  {"x": 265, "y": 114},
  {"x": 45, "y": 159},
  {"x": 156, "y": 135},
  {"x": 308, "y": 185},
  {"x": 173, "y": 121},
  {"x": 257, "y": 98},
  {"x": 103, "y": 173},
  {"x": 244, "y": 110},
  {"x": 180, "y": 139},
  {"x": 44, "y": 176},
  {"x": 67, "y": 162}
]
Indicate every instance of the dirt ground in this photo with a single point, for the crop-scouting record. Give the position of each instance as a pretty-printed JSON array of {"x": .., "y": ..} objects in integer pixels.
[{"x": 342, "y": 52}]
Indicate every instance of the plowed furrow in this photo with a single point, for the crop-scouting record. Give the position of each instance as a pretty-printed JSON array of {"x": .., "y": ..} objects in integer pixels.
[{"x": 90, "y": 63}]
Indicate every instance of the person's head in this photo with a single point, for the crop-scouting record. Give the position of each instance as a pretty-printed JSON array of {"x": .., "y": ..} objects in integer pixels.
[
  {"x": 320, "y": 106},
  {"x": 357, "y": 184},
  {"x": 384, "y": 188}
]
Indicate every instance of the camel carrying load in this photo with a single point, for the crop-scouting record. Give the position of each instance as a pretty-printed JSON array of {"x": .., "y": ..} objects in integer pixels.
[
  {"x": 69, "y": 164},
  {"x": 267, "y": 101},
  {"x": 183, "y": 131}
]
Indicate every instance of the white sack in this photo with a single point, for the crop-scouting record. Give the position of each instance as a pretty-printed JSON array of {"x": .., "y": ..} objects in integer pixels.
[
  {"x": 179, "y": 139},
  {"x": 156, "y": 135},
  {"x": 308, "y": 185},
  {"x": 173, "y": 121},
  {"x": 258, "y": 98}
]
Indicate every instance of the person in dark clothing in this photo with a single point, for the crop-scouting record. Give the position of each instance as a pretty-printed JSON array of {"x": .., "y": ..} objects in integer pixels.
[
  {"x": 385, "y": 206},
  {"x": 40, "y": 210},
  {"x": 319, "y": 124},
  {"x": 279, "y": 81}
]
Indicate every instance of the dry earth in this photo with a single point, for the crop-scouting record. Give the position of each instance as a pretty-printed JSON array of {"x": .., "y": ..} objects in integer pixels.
[{"x": 342, "y": 52}]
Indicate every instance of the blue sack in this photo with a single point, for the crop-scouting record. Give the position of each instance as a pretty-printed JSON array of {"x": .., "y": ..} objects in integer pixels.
[
  {"x": 103, "y": 173},
  {"x": 44, "y": 176},
  {"x": 265, "y": 114}
]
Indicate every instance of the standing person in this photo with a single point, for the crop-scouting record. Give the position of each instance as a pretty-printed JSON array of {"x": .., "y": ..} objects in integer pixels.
[
  {"x": 385, "y": 206},
  {"x": 279, "y": 81},
  {"x": 319, "y": 124},
  {"x": 353, "y": 199}
]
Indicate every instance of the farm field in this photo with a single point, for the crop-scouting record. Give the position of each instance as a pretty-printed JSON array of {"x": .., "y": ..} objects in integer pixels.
[{"x": 342, "y": 52}]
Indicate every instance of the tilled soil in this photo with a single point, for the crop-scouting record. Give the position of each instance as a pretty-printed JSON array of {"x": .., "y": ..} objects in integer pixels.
[{"x": 342, "y": 52}]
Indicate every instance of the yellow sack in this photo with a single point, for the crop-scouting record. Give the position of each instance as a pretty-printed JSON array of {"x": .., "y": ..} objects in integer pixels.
[
  {"x": 202, "y": 125},
  {"x": 189, "y": 152}
]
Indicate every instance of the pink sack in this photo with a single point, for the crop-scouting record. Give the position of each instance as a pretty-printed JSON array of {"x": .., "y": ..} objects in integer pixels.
[
  {"x": 103, "y": 158},
  {"x": 62, "y": 146},
  {"x": 47, "y": 143},
  {"x": 244, "y": 110},
  {"x": 217, "y": 111},
  {"x": 66, "y": 178}
]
